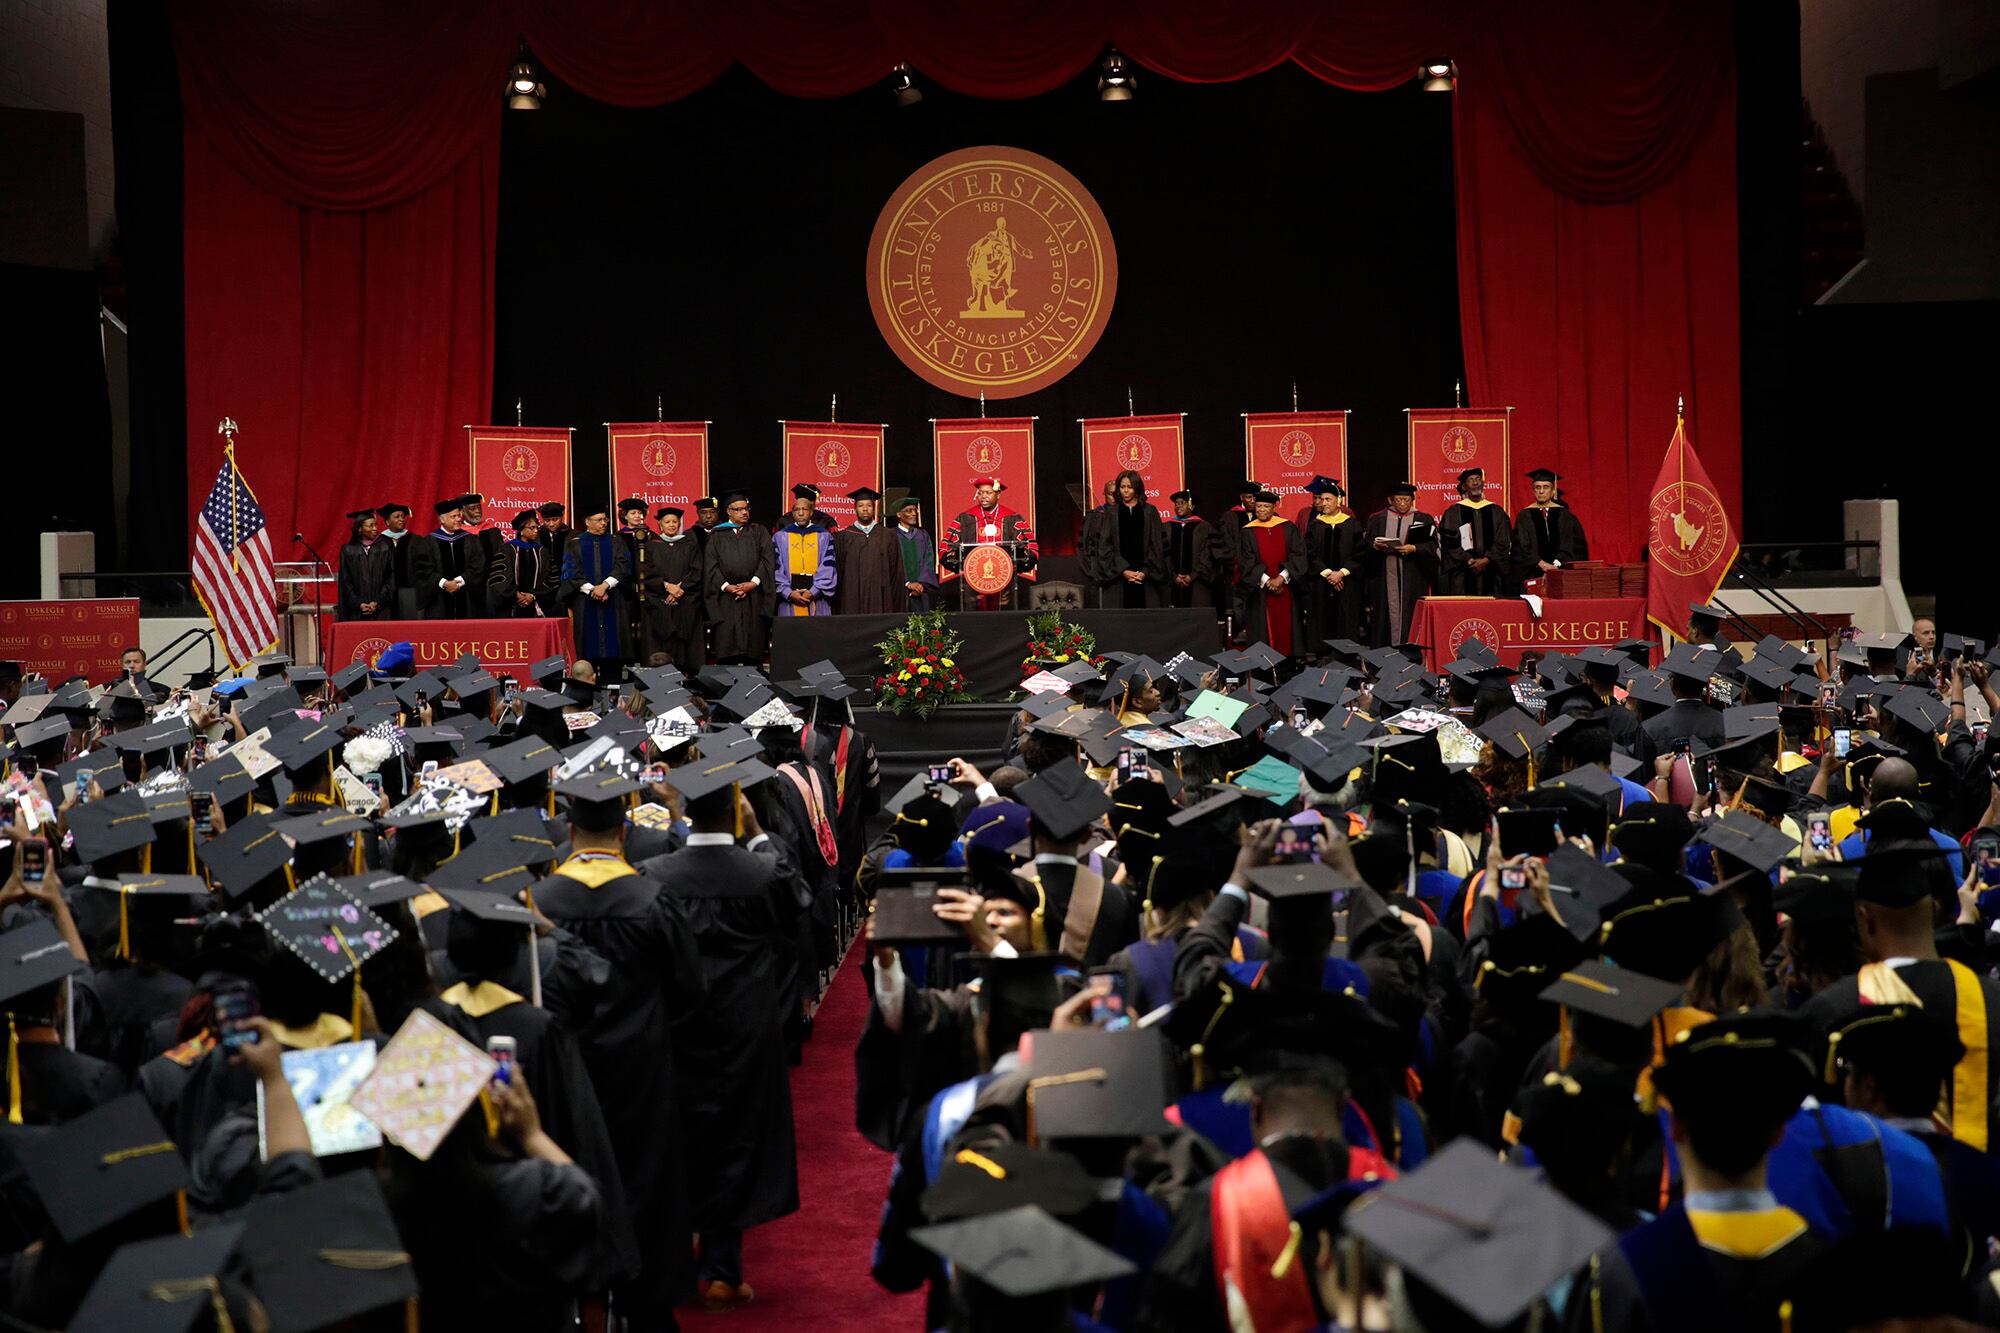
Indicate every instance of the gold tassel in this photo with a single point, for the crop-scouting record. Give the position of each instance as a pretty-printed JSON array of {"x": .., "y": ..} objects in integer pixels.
[
  {"x": 181, "y": 1212},
  {"x": 146, "y": 859},
  {"x": 491, "y": 1112},
  {"x": 552, "y": 805},
  {"x": 124, "y": 922},
  {"x": 291, "y": 880},
  {"x": 493, "y": 806},
  {"x": 179, "y": 1289},
  {"x": 736, "y": 791},
  {"x": 1288, "y": 1254},
  {"x": 13, "y": 1073},
  {"x": 193, "y": 862},
  {"x": 455, "y": 833},
  {"x": 355, "y": 1019},
  {"x": 360, "y": 862},
  {"x": 1038, "y": 931}
]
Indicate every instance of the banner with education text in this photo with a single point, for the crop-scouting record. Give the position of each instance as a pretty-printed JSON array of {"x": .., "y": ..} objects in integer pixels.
[
  {"x": 837, "y": 457},
  {"x": 661, "y": 462},
  {"x": 1445, "y": 441},
  {"x": 964, "y": 450},
  {"x": 515, "y": 468},
  {"x": 1149, "y": 446},
  {"x": 1690, "y": 540},
  {"x": 1285, "y": 450}
]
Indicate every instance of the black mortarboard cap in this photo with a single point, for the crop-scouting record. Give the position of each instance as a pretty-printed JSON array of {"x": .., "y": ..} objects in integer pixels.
[
  {"x": 163, "y": 1285},
  {"x": 1063, "y": 799},
  {"x": 1488, "y": 1237},
  {"x": 1662, "y": 927},
  {"x": 323, "y": 1254},
  {"x": 1037, "y": 706},
  {"x": 1513, "y": 733},
  {"x": 41, "y": 731},
  {"x": 1000, "y": 1176},
  {"x": 110, "y": 774},
  {"x": 309, "y": 830},
  {"x": 299, "y": 747},
  {"x": 700, "y": 777},
  {"x": 1898, "y": 875},
  {"x": 1297, "y": 879},
  {"x": 1022, "y": 1252},
  {"x": 1092, "y": 1083},
  {"x": 1920, "y": 708},
  {"x": 101, "y": 1167},
  {"x": 348, "y": 676},
  {"x": 117, "y": 823},
  {"x": 33, "y": 956},
  {"x": 1691, "y": 662},
  {"x": 1748, "y": 839},
  {"x": 252, "y": 850},
  {"x": 1619, "y": 994},
  {"x": 493, "y": 866},
  {"x": 495, "y": 908},
  {"x": 523, "y": 761},
  {"x": 1591, "y": 780},
  {"x": 1650, "y": 687},
  {"x": 378, "y": 889}
]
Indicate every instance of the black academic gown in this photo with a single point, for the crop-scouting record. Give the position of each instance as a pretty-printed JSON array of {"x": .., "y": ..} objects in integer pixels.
[
  {"x": 897, "y": 1073},
  {"x": 870, "y": 571},
  {"x": 1128, "y": 539},
  {"x": 440, "y": 556},
  {"x": 647, "y": 598},
  {"x": 628, "y": 1047},
  {"x": 523, "y": 567},
  {"x": 1491, "y": 536},
  {"x": 742, "y": 625},
  {"x": 1932, "y": 980},
  {"x": 1330, "y": 612},
  {"x": 678, "y": 561},
  {"x": 119, "y": 1009},
  {"x": 1251, "y": 569},
  {"x": 1550, "y": 533},
  {"x": 1674, "y": 728},
  {"x": 552, "y": 1065},
  {"x": 366, "y": 574},
  {"x": 736, "y": 1107},
  {"x": 405, "y": 605},
  {"x": 1661, "y": 1277},
  {"x": 58, "y": 1084},
  {"x": 1418, "y": 571},
  {"x": 1194, "y": 549}
]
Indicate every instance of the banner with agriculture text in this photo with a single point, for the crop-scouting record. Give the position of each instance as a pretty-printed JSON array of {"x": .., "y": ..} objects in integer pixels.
[
  {"x": 1445, "y": 441},
  {"x": 837, "y": 457},
  {"x": 965, "y": 450},
  {"x": 1149, "y": 446},
  {"x": 1285, "y": 450},
  {"x": 661, "y": 462},
  {"x": 515, "y": 468}
]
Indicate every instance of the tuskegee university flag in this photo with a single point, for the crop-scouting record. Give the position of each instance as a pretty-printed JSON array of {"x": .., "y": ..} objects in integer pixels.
[{"x": 1690, "y": 540}]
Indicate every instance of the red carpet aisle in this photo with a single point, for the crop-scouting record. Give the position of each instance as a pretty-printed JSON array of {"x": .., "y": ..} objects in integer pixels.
[{"x": 810, "y": 1270}]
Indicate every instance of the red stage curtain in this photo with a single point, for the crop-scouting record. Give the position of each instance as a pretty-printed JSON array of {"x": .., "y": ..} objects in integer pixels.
[
  {"x": 342, "y": 182},
  {"x": 1591, "y": 318},
  {"x": 349, "y": 347}
]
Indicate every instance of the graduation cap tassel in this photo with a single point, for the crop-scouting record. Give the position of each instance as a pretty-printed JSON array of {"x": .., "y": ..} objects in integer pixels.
[
  {"x": 13, "y": 1073},
  {"x": 355, "y": 1014},
  {"x": 360, "y": 862},
  {"x": 1038, "y": 932},
  {"x": 125, "y": 922},
  {"x": 181, "y": 1218},
  {"x": 146, "y": 859}
]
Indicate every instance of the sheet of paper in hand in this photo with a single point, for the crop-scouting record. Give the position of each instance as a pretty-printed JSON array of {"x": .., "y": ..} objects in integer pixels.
[
  {"x": 323, "y": 1082},
  {"x": 424, "y": 1080},
  {"x": 329, "y": 931},
  {"x": 251, "y": 754}
]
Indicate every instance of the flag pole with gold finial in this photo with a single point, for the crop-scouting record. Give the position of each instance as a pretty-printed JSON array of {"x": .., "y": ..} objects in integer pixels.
[{"x": 226, "y": 428}]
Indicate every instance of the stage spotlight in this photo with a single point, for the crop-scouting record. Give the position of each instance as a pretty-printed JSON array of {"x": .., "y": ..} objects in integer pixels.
[
  {"x": 524, "y": 91},
  {"x": 903, "y": 83},
  {"x": 1115, "y": 80},
  {"x": 1439, "y": 76}
]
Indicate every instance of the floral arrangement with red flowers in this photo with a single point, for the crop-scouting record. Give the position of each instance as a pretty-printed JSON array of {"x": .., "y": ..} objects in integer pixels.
[
  {"x": 920, "y": 671},
  {"x": 1051, "y": 639}
]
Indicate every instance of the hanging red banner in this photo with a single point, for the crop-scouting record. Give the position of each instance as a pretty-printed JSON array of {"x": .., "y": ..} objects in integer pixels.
[
  {"x": 837, "y": 457},
  {"x": 1445, "y": 441},
  {"x": 1285, "y": 450},
  {"x": 518, "y": 467},
  {"x": 1002, "y": 448},
  {"x": 661, "y": 462},
  {"x": 1149, "y": 446}
]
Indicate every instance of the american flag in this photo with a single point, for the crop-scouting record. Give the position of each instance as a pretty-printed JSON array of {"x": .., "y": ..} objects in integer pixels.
[{"x": 233, "y": 571}]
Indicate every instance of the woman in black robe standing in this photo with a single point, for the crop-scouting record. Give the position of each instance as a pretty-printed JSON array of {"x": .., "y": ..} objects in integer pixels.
[
  {"x": 366, "y": 586},
  {"x": 1130, "y": 559}
]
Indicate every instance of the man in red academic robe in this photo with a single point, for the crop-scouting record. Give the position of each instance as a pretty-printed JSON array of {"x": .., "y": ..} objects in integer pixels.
[
  {"x": 1270, "y": 559},
  {"x": 989, "y": 521}
]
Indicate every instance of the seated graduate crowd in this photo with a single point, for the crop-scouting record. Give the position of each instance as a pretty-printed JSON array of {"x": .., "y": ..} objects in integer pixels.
[
  {"x": 364, "y": 1001},
  {"x": 1594, "y": 994},
  {"x": 1602, "y": 994}
]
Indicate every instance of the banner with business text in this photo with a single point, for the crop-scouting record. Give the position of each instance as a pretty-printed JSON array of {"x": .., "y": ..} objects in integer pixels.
[
  {"x": 660, "y": 462},
  {"x": 1445, "y": 441},
  {"x": 82, "y": 636},
  {"x": 1149, "y": 446},
  {"x": 1285, "y": 450},
  {"x": 966, "y": 449},
  {"x": 516, "y": 468},
  {"x": 837, "y": 457}
]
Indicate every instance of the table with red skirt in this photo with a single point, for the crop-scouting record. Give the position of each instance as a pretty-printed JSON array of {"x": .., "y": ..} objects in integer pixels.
[
  {"x": 1510, "y": 627},
  {"x": 508, "y": 646}
]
